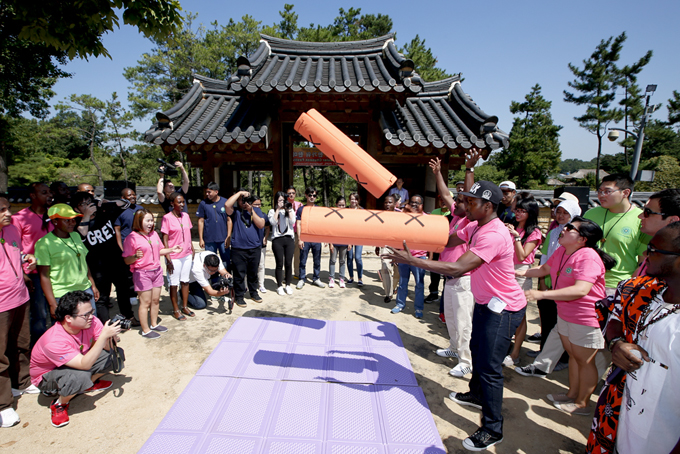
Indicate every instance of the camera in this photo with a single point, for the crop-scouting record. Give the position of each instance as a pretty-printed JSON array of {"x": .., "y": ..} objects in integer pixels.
[
  {"x": 287, "y": 205},
  {"x": 166, "y": 168},
  {"x": 223, "y": 282},
  {"x": 125, "y": 324},
  {"x": 249, "y": 200}
]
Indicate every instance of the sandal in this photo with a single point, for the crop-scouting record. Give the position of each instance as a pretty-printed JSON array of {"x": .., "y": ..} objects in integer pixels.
[
  {"x": 178, "y": 315},
  {"x": 188, "y": 311}
]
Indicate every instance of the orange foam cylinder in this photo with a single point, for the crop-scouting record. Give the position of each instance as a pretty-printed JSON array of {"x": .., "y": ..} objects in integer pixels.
[
  {"x": 374, "y": 228},
  {"x": 339, "y": 148}
]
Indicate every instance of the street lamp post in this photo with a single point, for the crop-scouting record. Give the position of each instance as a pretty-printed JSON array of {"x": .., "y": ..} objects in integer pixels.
[{"x": 640, "y": 136}]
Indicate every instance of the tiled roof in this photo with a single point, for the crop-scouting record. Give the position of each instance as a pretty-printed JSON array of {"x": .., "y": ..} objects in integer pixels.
[{"x": 355, "y": 66}]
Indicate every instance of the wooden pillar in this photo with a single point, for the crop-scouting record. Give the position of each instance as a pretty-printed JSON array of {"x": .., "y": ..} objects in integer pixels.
[
  {"x": 372, "y": 142},
  {"x": 276, "y": 146},
  {"x": 207, "y": 164}
]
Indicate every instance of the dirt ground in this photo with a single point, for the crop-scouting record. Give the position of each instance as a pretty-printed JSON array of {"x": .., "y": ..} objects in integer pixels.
[{"x": 121, "y": 419}]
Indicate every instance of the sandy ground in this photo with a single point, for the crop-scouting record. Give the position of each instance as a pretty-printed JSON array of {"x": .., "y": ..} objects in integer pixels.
[{"x": 121, "y": 419}]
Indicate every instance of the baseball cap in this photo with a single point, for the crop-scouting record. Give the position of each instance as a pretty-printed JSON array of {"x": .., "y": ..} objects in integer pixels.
[
  {"x": 565, "y": 196},
  {"x": 507, "y": 185},
  {"x": 485, "y": 190},
  {"x": 63, "y": 211}
]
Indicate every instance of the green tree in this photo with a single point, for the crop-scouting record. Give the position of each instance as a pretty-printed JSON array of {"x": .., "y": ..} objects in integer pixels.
[
  {"x": 487, "y": 171},
  {"x": 77, "y": 27},
  {"x": 667, "y": 174},
  {"x": 424, "y": 60},
  {"x": 573, "y": 165},
  {"x": 534, "y": 150},
  {"x": 595, "y": 86}
]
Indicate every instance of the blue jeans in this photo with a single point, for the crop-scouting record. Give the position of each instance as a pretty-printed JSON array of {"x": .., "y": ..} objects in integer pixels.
[
  {"x": 40, "y": 311},
  {"x": 316, "y": 257},
  {"x": 490, "y": 343},
  {"x": 355, "y": 254},
  {"x": 225, "y": 254},
  {"x": 402, "y": 291}
]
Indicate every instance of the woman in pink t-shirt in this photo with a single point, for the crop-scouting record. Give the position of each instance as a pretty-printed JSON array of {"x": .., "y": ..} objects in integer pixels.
[
  {"x": 577, "y": 271},
  {"x": 527, "y": 239},
  {"x": 142, "y": 251},
  {"x": 176, "y": 230}
]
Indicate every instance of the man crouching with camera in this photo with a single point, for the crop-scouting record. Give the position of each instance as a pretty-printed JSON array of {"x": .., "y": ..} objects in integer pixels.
[
  {"x": 209, "y": 278},
  {"x": 72, "y": 356}
]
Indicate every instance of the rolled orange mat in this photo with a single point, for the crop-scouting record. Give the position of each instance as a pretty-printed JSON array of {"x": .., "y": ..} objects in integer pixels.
[
  {"x": 374, "y": 228},
  {"x": 346, "y": 154}
]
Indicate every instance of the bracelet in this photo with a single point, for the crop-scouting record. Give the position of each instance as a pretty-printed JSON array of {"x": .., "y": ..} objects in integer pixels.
[
  {"x": 613, "y": 342},
  {"x": 518, "y": 238}
]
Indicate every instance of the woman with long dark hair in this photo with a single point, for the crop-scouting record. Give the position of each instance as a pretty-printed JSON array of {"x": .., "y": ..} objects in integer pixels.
[
  {"x": 282, "y": 220},
  {"x": 527, "y": 238},
  {"x": 577, "y": 272}
]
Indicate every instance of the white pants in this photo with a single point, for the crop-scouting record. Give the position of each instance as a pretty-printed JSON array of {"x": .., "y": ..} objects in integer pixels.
[
  {"x": 181, "y": 272},
  {"x": 389, "y": 274},
  {"x": 526, "y": 283},
  {"x": 260, "y": 269},
  {"x": 553, "y": 350},
  {"x": 458, "y": 307}
]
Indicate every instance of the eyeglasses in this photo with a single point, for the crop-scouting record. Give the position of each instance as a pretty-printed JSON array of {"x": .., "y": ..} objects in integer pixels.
[
  {"x": 571, "y": 227},
  {"x": 607, "y": 191},
  {"x": 652, "y": 250},
  {"x": 86, "y": 315},
  {"x": 311, "y": 195},
  {"x": 646, "y": 212},
  {"x": 291, "y": 193}
]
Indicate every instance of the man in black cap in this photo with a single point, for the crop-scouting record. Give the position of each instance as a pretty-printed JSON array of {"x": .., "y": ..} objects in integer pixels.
[{"x": 499, "y": 304}]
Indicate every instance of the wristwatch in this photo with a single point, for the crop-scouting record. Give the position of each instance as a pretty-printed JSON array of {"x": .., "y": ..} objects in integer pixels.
[
  {"x": 469, "y": 169},
  {"x": 518, "y": 238}
]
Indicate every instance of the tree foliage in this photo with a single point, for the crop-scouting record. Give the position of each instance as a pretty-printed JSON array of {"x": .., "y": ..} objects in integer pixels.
[
  {"x": 76, "y": 28},
  {"x": 534, "y": 150},
  {"x": 424, "y": 60}
]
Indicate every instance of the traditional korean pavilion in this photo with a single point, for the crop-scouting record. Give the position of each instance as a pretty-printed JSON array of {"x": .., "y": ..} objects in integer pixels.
[{"x": 366, "y": 88}]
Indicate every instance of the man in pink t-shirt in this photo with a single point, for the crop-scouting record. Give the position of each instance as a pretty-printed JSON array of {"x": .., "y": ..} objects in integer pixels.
[
  {"x": 34, "y": 224},
  {"x": 14, "y": 332},
  {"x": 499, "y": 309},
  {"x": 72, "y": 356}
]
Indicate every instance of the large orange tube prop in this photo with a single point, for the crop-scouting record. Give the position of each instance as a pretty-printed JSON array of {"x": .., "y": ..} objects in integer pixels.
[
  {"x": 346, "y": 154},
  {"x": 374, "y": 228}
]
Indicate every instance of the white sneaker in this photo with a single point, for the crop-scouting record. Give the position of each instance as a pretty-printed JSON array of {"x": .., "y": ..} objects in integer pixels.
[
  {"x": 289, "y": 289},
  {"x": 9, "y": 417},
  {"x": 447, "y": 353},
  {"x": 331, "y": 282},
  {"x": 300, "y": 284},
  {"x": 509, "y": 362},
  {"x": 31, "y": 389},
  {"x": 263, "y": 290},
  {"x": 460, "y": 370},
  {"x": 342, "y": 283},
  {"x": 319, "y": 284},
  {"x": 281, "y": 291}
]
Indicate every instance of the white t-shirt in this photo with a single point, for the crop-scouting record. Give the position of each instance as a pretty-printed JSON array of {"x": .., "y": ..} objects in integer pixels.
[
  {"x": 198, "y": 272},
  {"x": 649, "y": 421}
]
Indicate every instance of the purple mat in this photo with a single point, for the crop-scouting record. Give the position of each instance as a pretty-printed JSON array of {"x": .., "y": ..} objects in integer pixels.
[{"x": 295, "y": 386}]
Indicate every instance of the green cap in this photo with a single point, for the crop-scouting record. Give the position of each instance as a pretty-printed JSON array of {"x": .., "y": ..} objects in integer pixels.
[{"x": 63, "y": 211}]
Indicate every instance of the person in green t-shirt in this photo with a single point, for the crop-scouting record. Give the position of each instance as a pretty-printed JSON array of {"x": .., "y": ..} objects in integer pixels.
[
  {"x": 620, "y": 224},
  {"x": 61, "y": 258}
]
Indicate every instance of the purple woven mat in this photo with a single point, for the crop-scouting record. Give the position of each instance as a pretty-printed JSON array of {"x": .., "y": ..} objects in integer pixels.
[{"x": 296, "y": 386}]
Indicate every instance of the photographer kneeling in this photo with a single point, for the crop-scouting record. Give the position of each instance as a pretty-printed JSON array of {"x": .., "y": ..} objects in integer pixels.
[
  {"x": 72, "y": 356},
  {"x": 207, "y": 267}
]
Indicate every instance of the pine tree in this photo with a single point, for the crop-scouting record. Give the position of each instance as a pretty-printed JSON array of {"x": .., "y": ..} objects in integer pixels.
[{"x": 534, "y": 150}]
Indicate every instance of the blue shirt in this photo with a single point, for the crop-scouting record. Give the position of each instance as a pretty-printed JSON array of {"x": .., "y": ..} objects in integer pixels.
[
  {"x": 298, "y": 216},
  {"x": 245, "y": 235},
  {"x": 215, "y": 224},
  {"x": 403, "y": 195},
  {"x": 124, "y": 221}
]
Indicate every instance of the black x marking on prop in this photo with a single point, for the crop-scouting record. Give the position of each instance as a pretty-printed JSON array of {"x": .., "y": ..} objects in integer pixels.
[
  {"x": 356, "y": 175},
  {"x": 374, "y": 213},
  {"x": 336, "y": 162},
  {"x": 333, "y": 210},
  {"x": 312, "y": 141},
  {"x": 414, "y": 218}
]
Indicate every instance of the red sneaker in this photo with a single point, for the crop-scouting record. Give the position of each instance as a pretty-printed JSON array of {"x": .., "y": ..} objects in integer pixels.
[
  {"x": 442, "y": 318},
  {"x": 59, "y": 414},
  {"x": 99, "y": 385}
]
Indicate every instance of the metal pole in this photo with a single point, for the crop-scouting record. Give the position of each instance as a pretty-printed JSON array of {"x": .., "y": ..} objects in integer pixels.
[{"x": 638, "y": 143}]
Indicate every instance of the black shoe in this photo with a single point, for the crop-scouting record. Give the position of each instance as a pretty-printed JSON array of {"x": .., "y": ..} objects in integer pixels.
[
  {"x": 466, "y": 399},
  {"x": 388, "y": 299},
  {"x": 530, "y": 371},
  {"x": 431, "y": 298},
  {"x": 481, "y": 440},
  {"x": 241, "y": 303},
  {"x": 256, "y": 298},
  {"x": 534, "y": 338}
]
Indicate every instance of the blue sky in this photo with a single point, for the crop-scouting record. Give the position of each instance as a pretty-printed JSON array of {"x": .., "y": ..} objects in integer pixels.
[{"x": 502, "y": 48}]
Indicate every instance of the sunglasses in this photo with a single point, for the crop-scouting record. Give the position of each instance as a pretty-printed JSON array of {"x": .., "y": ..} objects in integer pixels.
[
  {"x": 571, "y": 227},
  {"x": 652, "y": 250},
  {"x": 646, "y": 212},
  {"x": 311, "y": 195}
]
